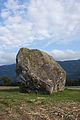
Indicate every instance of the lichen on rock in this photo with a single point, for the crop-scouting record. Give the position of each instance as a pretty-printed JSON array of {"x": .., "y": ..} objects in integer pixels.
[{"x": 39, "y": 72}]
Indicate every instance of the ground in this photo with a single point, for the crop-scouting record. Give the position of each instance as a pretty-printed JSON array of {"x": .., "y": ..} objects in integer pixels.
[{"x": 20, "y": 106}]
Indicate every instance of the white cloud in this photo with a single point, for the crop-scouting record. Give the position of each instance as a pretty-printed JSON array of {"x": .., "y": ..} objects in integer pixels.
[
  {"x": 55, "y": 20},
  {"x": 61, "y": 55},
  {"x": 5, "y": 13},
  {"x": 39, "y": 20},
  {"x": 7, "y": 58},
  {"x": 14, "y": 34}
]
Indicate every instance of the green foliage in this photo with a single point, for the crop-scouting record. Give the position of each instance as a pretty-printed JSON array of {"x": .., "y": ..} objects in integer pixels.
[
  {"x": 6, "y": 80},
  {"x": 73, "y": 82}
]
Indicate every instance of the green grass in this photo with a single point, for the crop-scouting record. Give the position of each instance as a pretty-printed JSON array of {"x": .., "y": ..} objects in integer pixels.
[
  {"x": 13, "y": 98},
  {"x": 2, "y": 106}
]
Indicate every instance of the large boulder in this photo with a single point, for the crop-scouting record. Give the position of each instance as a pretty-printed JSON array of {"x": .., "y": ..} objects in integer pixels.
[{"x": 39, "y": 72}]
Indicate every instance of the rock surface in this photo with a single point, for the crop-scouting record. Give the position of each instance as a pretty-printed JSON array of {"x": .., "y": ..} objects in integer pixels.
[{"x": 39, "y": 72}]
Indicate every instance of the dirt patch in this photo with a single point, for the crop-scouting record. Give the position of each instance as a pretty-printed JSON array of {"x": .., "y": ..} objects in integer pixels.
[
  {"x": 55, "y": 111},
  {"x": 7, "y": 88},
  {"x": 5, "y": 115}
]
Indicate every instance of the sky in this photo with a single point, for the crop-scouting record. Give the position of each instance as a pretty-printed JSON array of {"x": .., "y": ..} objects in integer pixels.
[{"x": 52, "y": 26}]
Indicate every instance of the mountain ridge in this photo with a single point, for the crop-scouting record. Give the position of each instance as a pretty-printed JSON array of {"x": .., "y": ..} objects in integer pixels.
[{"x": 72, "y": 68}]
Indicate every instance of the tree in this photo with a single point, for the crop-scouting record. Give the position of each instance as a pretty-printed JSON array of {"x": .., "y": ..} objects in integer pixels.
[
  {"x": 73, "y": 82},
  {"x": 6, "y": 80}
]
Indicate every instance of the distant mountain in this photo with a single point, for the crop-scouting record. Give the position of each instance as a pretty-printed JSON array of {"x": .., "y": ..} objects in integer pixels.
[
  {"x": 72, "y": 69},
  {"x": 8, "y": 70}
]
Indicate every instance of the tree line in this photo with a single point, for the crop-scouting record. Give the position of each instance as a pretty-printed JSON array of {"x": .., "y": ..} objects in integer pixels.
[
  {"x": 7, "y": 81},
  {"x": 73, "y": 82}
]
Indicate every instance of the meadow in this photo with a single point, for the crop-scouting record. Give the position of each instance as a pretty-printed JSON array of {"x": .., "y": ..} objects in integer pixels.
[{"x": 16, "y": 105}]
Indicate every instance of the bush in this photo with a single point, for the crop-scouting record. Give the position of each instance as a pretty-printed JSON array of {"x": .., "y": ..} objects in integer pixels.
[
  {"x": 5, "y": 80},
  {"x": 73, "y": 82}
]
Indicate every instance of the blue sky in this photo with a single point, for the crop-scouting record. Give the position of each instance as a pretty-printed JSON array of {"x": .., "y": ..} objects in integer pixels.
[{"x": 49, "y": 25}]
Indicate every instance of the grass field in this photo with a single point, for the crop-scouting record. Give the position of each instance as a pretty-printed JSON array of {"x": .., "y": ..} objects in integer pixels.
[{"x": 12, "y": 100}]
